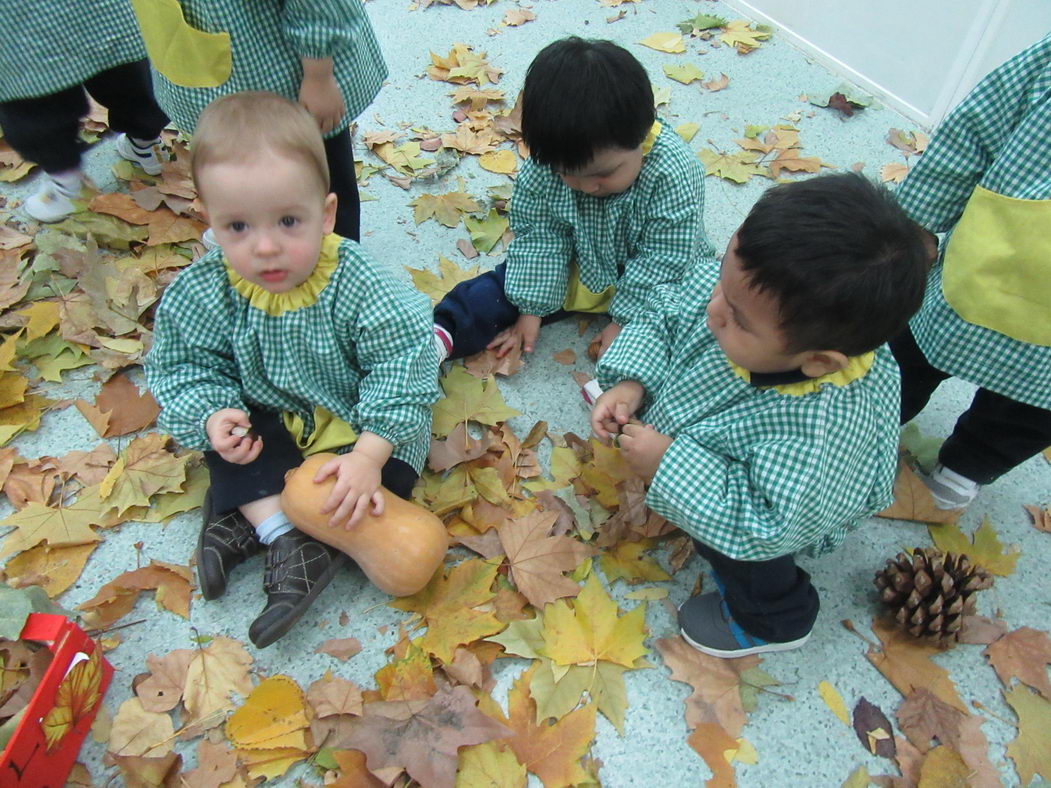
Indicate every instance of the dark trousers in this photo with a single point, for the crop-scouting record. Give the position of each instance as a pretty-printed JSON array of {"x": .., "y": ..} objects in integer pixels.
[
  {"x": 991, "y": 437},
  {"x": 343, "y": 182},
  {"x": 773, "y": 600},
  {"x": 475, "y": 311},
  {"x": 235, "y": 485},
  {"x": 44, "y": 129}
]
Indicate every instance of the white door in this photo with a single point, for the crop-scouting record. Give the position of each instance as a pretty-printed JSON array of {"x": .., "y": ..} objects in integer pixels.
[{"x": 919, "y": 56}]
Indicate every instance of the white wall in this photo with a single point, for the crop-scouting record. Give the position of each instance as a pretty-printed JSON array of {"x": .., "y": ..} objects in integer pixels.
[{"x": 919, "y": 56}]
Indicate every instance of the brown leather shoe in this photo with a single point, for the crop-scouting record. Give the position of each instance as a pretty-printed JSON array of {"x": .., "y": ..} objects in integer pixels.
[{"x": 226, "y": 541}]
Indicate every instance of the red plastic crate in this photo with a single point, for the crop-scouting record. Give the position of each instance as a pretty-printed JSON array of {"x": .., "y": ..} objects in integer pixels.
[{"x": 46, "y": 742}]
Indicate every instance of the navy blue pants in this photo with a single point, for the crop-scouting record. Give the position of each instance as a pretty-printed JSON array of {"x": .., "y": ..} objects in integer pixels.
[
  {"x": 44, "y": 129},
  {"x": 773, "y": 600},
  {"x": 476, "y": 310},
  {"x": 234, "y": 485},
  {"x": 993, "y": 435}
]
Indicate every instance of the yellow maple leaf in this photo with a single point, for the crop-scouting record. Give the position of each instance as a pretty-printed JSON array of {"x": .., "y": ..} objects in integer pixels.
[
  {"x": 740, "y": 34},
  {"x": 12, "y": 389},
  {"x": 665, "y": 42},
  {"x": 445, "y": 208},
  {"x": 592, "y": 630},
  {"x": 502, "y": 162},
  {"x": 36, "y": 523},
  {"x": 984, "y": 549},
  {"x": 447, "y": 604},
  {"x": 1031, "y": 749},
  {"x": 409, "y": 678},
  {"x": 737, "y": 167},
  {"x": 683, "y": 72},
  {"x": 625, "y": 561},
  {"x": 53, "y": 568},
  {"x": 463, "y": 65},
  {"x": 41, "y": 318},
  {"x": 146, "y": 467},
  {"x": 468, "y": 398},
  {"x": 77, "y": 697},
  {"x": 405, "y": 158},
  {"x": 486, "y": 232},
  {"x": 435, "y": 286},
  {"x": 687, "y": 130}
]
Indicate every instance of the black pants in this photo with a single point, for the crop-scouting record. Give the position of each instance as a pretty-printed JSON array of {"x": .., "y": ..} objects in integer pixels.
[
  {"x": 773, "y": 600},
  {"x": 44, "y": 129},
  {"x": 993, "y": 435},
  {"x": 235, "y": 485},
  {"x": 343, "y": 182},
  {"x": 476, "y": 310}
]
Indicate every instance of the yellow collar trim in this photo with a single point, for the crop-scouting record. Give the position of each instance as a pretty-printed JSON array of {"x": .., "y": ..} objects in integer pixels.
[
  {"x": 857, "y": 367},
  {"x": 303, "y": 294},
  {"x": 651, "y": 137}
]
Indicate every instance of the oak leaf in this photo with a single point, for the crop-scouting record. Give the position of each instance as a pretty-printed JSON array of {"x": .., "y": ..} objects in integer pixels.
[
  {"x": 537, "y": 560},
  {"x": 423, "y": 737},
  {"x": 1022, "y": 654}
]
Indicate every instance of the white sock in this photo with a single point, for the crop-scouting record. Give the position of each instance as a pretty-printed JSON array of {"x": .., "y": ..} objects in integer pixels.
[
  {"x": 443, "y": 342},
  {"x": 272, "y": 527}
]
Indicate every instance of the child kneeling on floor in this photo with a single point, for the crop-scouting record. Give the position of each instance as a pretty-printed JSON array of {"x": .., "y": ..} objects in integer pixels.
[
  {"x": 770, "y": 399},
  {"x": 286, "y": 341}
]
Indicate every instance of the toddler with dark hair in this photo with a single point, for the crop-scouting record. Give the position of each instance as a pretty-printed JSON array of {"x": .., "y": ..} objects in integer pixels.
[
  {"x": 608, "y": 206},
  {"x": 770, "y": 399}
]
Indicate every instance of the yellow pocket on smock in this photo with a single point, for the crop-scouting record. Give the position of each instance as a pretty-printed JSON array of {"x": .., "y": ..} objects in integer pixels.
[
  {"x": 998, "y": 264},
  {"x": 187, "y": 57},
  {"x": 329, "y": 434},
  {"x": 580, "y": 299}
]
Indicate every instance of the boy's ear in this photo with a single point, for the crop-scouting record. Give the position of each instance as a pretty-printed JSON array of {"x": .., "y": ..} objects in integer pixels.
[
  {"x": 823, "y": 362},
  {"x": 329, "y": 218}
]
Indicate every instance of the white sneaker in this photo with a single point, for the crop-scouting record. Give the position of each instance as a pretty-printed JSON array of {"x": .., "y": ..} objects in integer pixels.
[
  {"x": 949, "y": 489},
  {"x": 209, "y": 240},
  {"x": 52, "y": 202},
  {"x": 144, "y": 157}
]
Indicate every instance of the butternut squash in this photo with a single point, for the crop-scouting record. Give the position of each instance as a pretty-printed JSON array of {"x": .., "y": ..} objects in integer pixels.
[{"x": 399, "y": 550}]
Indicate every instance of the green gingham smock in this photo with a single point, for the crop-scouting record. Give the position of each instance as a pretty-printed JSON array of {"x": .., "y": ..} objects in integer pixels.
[
  {"x": 363, "y": 351},
  {"x": 635, "y": 240},
  {"x": 48, "y": 46},
  {"x": 753, "y": 472},
  {"x": 268, "y": 40},
  {"x": 999, "y": 137}
]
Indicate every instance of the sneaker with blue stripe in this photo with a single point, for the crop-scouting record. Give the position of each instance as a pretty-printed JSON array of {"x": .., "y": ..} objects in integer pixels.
[{"x": 706, "y": 624}]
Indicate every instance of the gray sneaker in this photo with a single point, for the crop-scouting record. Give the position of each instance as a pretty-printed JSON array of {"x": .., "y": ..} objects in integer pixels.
[{"x": 706, "y": 624}]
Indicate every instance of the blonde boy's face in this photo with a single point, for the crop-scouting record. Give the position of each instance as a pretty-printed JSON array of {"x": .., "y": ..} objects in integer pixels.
[
  {"x": 612, "y": 171},
  {"x": 746, "y": 323},
  {"x": 269, "y": 215}
]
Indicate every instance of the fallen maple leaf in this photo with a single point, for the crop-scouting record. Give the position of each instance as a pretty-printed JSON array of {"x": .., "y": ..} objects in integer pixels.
[
  {"x": 906, "y": 663},
  {"x": 436, "y": 286},
  {"x": 502, "y": 162},
  {"x": 340, "y": 648},
  {"x": 1041, "y": 518},
  {"x": 468, "y": 399},
  {"x": 743, "y": 36},
  {"x": 913, "y": 500},
  {"x": 665, "y": 42},
  {"x": 591, "y": 629},
  {"x": 214, "y": 672},
  {"x": 1022, "y": 654},
  {"x": 162, "y": 689},
  {"x": 737, "y": 167},
  {"x": 146, "y": 467},
  {"x": 514, "y": 17},
  {"x": 1031, "y": 749},
  {"x": 537, "y": 560},
  {"x": 423, "y": 737},
  {"x": 463, "y": 65},
  {"x": 446, "y": 208},
  {"x": 983, "y": 549},
  {"x": 117, "y": 597},
  {"x": 924, "y": 717},
  {"x": 893, "y": 173},
  {"x": 120, "y": 408},
  {"x": 716, "y": 696},
  {"x": 711, "y": 742}
]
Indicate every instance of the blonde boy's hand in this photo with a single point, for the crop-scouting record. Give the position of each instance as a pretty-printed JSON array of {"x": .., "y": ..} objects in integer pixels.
[
  {"x": 615, "y": 407},
  {"x": 606, "y": 337},
  {"x": 357, "y": 488},
  {"x": 524, "y": 332},
  {"x": 320, "y": 94},
  {"x": 229, "y": 432},
  {"x": 642, "y": 448}
]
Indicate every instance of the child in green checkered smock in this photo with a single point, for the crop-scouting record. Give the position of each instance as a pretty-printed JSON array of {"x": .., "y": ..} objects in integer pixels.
[
  {"x": 609, "y": 205},
  {"x": 287, "y": 341},
  {"x": 322, "y": 53},
  {"x": 985, "y": 181},
  {"x": 52, "y": 56},
  {"x": 769, "y": 400}
]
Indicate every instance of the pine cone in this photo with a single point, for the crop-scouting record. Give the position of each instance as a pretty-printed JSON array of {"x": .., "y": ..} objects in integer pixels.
[{"x": 930, "y": 592}]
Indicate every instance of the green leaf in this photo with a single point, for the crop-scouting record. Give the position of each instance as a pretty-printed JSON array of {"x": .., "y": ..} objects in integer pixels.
[
  {"x": 752, "y": 682},
  {"x": 699, "y": 23},
  {"x": 683, "y": 72},
  {"x": 522, "y": 638},
  {"x": 486, "y": 233},
  {"x": 17, "y": 603}
]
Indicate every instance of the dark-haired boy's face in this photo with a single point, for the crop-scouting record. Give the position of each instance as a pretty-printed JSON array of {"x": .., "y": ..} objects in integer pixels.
[
  {"x": 745, "y": 320},
  {"x": 612, "y": 171}
]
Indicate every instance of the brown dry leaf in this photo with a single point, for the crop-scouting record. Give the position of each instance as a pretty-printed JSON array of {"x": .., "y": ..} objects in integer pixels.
[
  {"x": 566, "y": 357},
  {"x": 53, "y": 568},
  {"x": 789, "y": 159},
  {"x": 913, "y": 501},
  {"x": 162, "y": 689},
  {"x": 873, "y": 729},
  {"x": 486, "y": 364},
  {"x": 331, "y": 695},
  {"x": 716, "y": 696},
  {"x": 906, "y": 663},
  {"x": 340, "y": 648},
  {"x": 893, "y": 173},
  {"x": 36, "y": 523},
  {"x": 518, "y": 16},
  {"x": 214, "y": 672},
  {"x": 216, "y": 767},
  {"x": 139, "y": 771},
  {"x": 463, "y": 65},
  {"x": 123, "y": 206},
  {"x": 980, "y": 630},
  {"x": 171, "y": 582},
  {"x": 479, "y": 98},
  {"x": 720, "y": 83},
  {"x": 458, "y": 447},
  {"x": 353, "y": 772},
  {"x": 537, "y": 560},
  {"x": 943, "y": 766},
  {"x": 120, "y": 408},
  {"x": 136, "y": 731},
  {"x": 1041, "y": 518},
  {"x": 423, "y": 738},
  {"x": 711, "y": 742},
  {"x": 145, "y": 468},
  {"x": 1022, "y": 654}
]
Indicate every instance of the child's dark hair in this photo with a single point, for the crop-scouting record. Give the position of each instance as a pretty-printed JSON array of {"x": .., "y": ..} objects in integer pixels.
[
  {"x": 846, "y": 264},
  {"x": 581, "y": 96}
]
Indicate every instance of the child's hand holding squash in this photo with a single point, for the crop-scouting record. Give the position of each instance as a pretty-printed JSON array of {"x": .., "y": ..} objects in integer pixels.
[{"x": 358, "y": 475}]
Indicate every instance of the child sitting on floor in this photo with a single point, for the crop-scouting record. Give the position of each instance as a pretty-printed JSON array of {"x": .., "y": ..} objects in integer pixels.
[
  {"x": 287, "y": 341},
  {"x": 608, "y": 206},
  {"x": 770, "y": 399}
]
